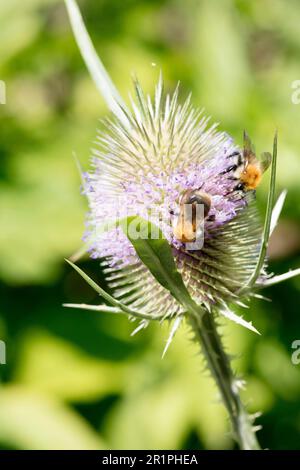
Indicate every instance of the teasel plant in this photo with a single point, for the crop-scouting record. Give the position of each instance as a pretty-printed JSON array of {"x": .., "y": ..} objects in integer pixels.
[{"x": 150, "y": 158}]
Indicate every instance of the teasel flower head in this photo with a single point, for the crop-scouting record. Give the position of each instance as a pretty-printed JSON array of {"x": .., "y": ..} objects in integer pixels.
[
  {"x": 149, "y": 162},
  {"x": 145, "y": 170},
  {"x": 145, "y": 160}
]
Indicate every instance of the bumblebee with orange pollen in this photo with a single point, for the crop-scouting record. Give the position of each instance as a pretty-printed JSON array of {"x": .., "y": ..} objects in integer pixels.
[{"x": 248, "y": 169}]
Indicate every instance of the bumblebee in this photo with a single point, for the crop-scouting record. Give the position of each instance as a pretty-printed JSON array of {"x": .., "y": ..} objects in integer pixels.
[
  {"x": 248, "y": 169},
  {"x": 189, "y": 219}
]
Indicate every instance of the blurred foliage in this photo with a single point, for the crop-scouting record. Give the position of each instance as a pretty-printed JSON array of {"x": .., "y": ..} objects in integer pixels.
[{"x": 76, "y": 379}]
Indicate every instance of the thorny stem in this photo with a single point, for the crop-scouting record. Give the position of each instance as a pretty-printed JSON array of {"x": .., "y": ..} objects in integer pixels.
[{"x": 219, "y": 365}]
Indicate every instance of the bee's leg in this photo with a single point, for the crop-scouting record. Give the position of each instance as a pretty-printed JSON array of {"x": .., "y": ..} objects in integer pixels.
[
  {"x": 229, "y": 169},
  {"x": 238, "y": 187},
  {"x": 232, "y": 178},
  {"x": 233, "y": 154}
]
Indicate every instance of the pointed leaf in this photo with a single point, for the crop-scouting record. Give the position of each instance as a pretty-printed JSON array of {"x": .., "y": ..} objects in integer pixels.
[
  {"x": 277, "y": 210},
  {"x": 156, "y": 254},
  {"x": 239, "y": 320},
  {"x": 98, "y": 73},
  {"x": 114, "y": 302},
  {"x": 143, "y": 324},
  {"x": 175, "y": 326}
]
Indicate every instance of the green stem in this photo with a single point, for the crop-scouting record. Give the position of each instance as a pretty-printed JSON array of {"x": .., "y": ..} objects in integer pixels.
[{"x": 219, "y": 365}]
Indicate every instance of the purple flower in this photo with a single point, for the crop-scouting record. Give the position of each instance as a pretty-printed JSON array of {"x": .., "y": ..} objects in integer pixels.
[{"x": 170, "y": 149}]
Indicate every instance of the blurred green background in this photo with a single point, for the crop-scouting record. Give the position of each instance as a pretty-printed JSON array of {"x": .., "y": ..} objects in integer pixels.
[{"x": 76, "y": 379}]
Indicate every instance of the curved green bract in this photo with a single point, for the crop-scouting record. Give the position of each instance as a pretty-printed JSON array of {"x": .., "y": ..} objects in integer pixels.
[
  {"x": 267, "y": 225},
  {"x": 111, "y": 300},
  {"x": 156, "y": 253},
  {"x": 97, "y": 70}
]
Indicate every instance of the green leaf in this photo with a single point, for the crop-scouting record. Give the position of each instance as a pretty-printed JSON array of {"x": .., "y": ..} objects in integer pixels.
[
  {"x": 96, "y": 68},
  {"x": 116, "y": 303},
  {"x": 277, "y": 210},
  {"x": 156, "y": 254}
]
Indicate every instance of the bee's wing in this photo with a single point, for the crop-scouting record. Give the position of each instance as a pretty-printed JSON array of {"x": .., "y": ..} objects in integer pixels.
[
  {"x": 265, "y": 161},
  {"x": 249, "y": 151}
]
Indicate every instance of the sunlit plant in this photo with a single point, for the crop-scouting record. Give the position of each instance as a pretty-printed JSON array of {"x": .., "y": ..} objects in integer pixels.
[{"x": 156, "y": 163}]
